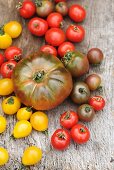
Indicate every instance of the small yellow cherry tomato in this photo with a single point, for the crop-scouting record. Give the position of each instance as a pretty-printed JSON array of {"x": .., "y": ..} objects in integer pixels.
[
  {"x": 22, "y": 129},
  {"x": 6, "y": 86},
  {"x": 13, "y": 28},
  {"x": 32, "y": 155},
  {"x": 4, "y": 156},
  {"x": 11, "y": 105},
  {"x": 39, "y": 121},
  {"x": 24, "y": 113},
  {"x": 5, "y": 40},
  {"x": 3, "y": 124}
]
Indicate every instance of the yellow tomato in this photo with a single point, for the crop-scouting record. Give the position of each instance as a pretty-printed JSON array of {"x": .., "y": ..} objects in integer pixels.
[
  {"x": 4, "y": 156},
  {"x": 5, "y": 41},
  {"x": 13, "y": 28},
  {"x": 24, "y": 113},
  {"x": 39, "y": 121},
  {"x": 11, "y": 105},
  {"x": 6, "y": 86},
  {"x": 32, "y": 155},
  {"x": 3, "y": 124},
  {"x": 22, "y": 129}
]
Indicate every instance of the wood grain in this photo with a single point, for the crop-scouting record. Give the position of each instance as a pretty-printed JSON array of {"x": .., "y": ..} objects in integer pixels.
[{"x": 98, "y": 153}]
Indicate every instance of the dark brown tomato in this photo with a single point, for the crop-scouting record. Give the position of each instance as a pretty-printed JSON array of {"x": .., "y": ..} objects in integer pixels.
[{"x": 62, "y": 8}]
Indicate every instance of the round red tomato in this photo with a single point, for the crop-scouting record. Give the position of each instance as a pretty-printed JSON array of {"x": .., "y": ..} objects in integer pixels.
[
  {"x": 65, "y": 47},
  {"x": 69, "y": 119},
  {"x": 97, "y": 102},
  {"x": 60, "y": 140},
  {"x": 59, "y": 1},
  {"x": 55, "y": 20},
  {"x": 38, "y": 26},
  {"x": 7, "y": 68},
  {"x": 77, "y": 13},
  {"x": 1, "y": 59},
  {"x": 75, "y": 33},
  {"x": 13, "y": 53},
  {"x": 80, "y": 134},
  {"x": 26, "y": 9},
  {"x": 55, "y": 36},
  {"x": 49, "y": 49}
]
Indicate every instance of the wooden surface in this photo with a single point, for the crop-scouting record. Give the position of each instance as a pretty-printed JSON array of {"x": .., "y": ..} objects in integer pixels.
[{"x": 98, "y": 153}]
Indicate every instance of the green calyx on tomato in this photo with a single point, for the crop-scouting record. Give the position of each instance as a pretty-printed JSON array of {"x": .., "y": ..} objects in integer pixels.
[
  {"x": 10, "y": 100},
  {"x": 61, "y": 135},
  {"x": 29, "y": 109},
  {"x": 38, "y": 3},
  {"x": 38, "y": 76},
  {"x": 87, "y": 109},
  {"x": 19, "y": 5},
  {"x": 67, "y": 116},
  {"x": 68, "y": 57},
  {"x": 82, "y": 90},
  {"x": 82, "y": 130}
]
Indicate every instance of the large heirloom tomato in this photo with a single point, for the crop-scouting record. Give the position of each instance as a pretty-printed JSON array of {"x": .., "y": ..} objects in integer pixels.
[{"x": 41, "y": 81}]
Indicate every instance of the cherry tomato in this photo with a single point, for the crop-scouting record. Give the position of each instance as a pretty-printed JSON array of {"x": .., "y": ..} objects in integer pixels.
[
  {"x": 80, "y": 134},
  {"x": 49, "y": 49},
  {"x": 55, "y": 36},
  {"x": 75, "y": 33},
  {"x": 1, "y": 59},
  {"x": 5, "y": 39},
  {"x": 97, "y": 102},
  {"x": 13, "y": 53},
  {"x": 4, "y": 156},
  {"x": 68, "y": 119},
  {"x": 65, "y": 47},
  {"x": 59, "y": 1},
  {"x": 26, "y": 9},
  {"x": 77, "y": 13},
  {"x": 38, "y": 26},
  {"x": 55, "y": 20},
  {"x": 7, "y": 68},
  {"x": 60, "y": 140},
  {"x": 62, "y": 8}
]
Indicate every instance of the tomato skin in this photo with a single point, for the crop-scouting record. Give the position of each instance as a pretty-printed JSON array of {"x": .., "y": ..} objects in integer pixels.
[
  {"x": 55, "y": 20},
  {"x": 4, "y": 156},
  {"x": 24, "y": 113},
  {"x": 68, "y": 119},
  {"x": 5, "y": 41},
  {"x": 3, "y": 124},
  {"x": 13, "y": 53},
  {"x": 97, "y": 102},
  {"x": 60, "y": 139},
  {"x": 75, "y": 33},
  {"x": 38, "y": 26},
  {"x": 6, "y": 86},
  {"x": 1, "y": 59},
  {"x": 80, "y": 134},
  {"x": 59, "y": 1},
  {"x": 77, "y": 13},
  {"x": 49, "y": 49},
  {"x": 62, "y": 8},
  {"x": 55, "y": 34},
  {"x": 65, "y": 47}
]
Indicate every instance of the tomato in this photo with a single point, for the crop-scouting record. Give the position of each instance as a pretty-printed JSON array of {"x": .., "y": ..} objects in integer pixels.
[
  {"x": 62, "y": 8},
  {"x": 4, "y": 156},
  {"x": 11, "y": 105},
  {"x": 6, "y": 86},
  {"x": 38, "y": 26},
  {"x": 55, "y": 36},
  {"x": 13, "y": 28},
  {"x": 80, "y": 93},
  {"x": 32, "y": 155},
  {"x": 68, "y": 119},
  {"x": 24, "y": 113},
  {"x": 47, "y": 76},
  {"x": 97, "y": 102},
  {"x": 60, "y": 139},
  {"x": 65, "y": 47},
  {"x": 3, "y": 124},
  {"x": 7, "y": 69},
  {"x": 77, "y": 13},
  {"x": 39, "y": 121},
  {"x": 1, "y": 59},
  {"x": 5, "y": 39},
  {"x": 26, "y": 9},
  {"x": 49, "y": 49},
  {"x": 75, "y": 33},
  {"x": 22, "y": 129},
  {"x": 13, "y": 53},
  {"x": 55, "y": 20},
  {"x": 80, "y": 134},
  {"x": 59, "y": 1}
]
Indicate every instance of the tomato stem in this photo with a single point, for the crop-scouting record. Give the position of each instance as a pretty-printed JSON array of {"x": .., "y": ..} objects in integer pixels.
[
  {"x": 38, "y": 3},
  {"x": 10, "y": 66},
  {"x": 38, "y": 76},
  {"x": 67, "y": 57},
  {"x": 87, "y": 109},
  {"x": 19, "y": 5},
  {"x": 82, "y": 90},
  {"x": 10, "y": 100},
  {"x": 29, "y": 109},
  {"x": 17, "y": 57},
  {"x": 67, "y": 116},
  {"x": 61, "y": 135},
  {"x": 82, "y": 130}
]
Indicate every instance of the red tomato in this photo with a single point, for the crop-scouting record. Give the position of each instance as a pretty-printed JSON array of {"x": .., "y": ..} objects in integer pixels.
[
  {"x": 38, "y": 26},
  {"x": 77, "y": 13},
  {"x": 59, "y": 1},
  {"x": 55, "y": 36},
  {"x": 65, "y": 47},
  {"x": 1, "y": 59},
  {"x": 55, "y": 20},
  {"x": 13, "y": 53},
  {"x": 49, "y": 49},
  {"x": 26, "y": 9},
  {"x": 97, "y": 102},
  {"x": 69, "y": 119},
  {"x": 75, "y": 33},
  {"x": 80, "y": 134},
  {"x": 7, "y": 68},
  {"x": 60, "y": 140}
]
